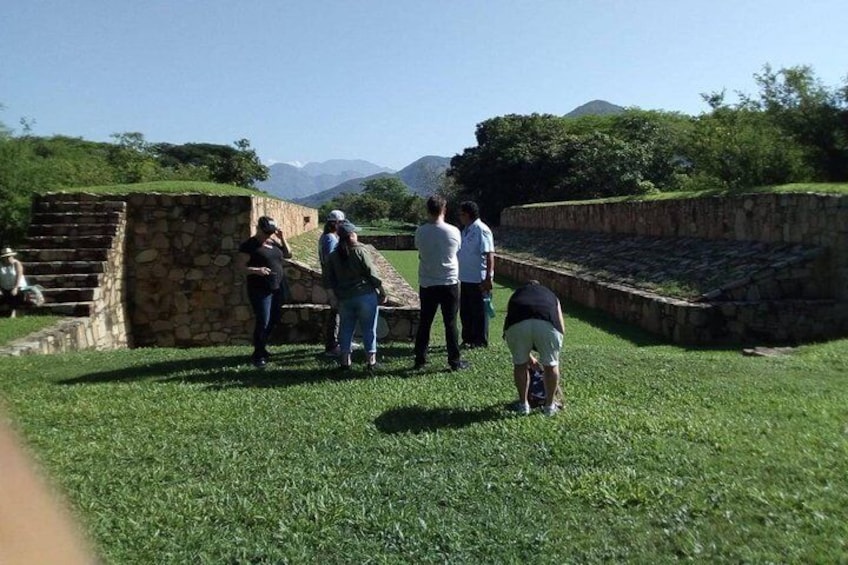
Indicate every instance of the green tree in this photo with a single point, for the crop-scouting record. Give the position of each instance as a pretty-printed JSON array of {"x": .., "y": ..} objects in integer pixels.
[
  {"x": 242, "y": 167},
  {"x": 403, "y": 205}
]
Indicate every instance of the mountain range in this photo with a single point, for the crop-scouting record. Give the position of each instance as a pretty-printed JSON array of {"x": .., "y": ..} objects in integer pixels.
[
  {"x": 316, "y": 183},
  {"x": 290, "y": 182},
  {"x": 422, "y": 177}
]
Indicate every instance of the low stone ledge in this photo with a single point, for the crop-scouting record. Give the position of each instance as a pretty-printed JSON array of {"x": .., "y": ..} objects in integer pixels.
[
  {"x": 73, "y": 334},
  {"x": 305, "y": 323},
  {"x": 692, "y": 323}
]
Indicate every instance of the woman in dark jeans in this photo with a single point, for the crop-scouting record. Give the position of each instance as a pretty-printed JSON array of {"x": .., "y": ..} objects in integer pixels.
[{"x": 266, "y": 283}]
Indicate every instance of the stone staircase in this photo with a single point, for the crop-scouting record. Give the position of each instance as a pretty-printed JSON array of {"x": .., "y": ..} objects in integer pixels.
[{"x": 67, "y": 249}]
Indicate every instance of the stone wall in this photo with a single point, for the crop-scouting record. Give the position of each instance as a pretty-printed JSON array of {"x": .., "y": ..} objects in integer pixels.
[
  {"x": 691, "y": 322},
  {"x": 109, "y": 324},
  {"x": 815, "y": 219},
  {"x": 185, "y": 281},
  {"x": 743, "y": 313},
  {"x": 401, "y": 242}
]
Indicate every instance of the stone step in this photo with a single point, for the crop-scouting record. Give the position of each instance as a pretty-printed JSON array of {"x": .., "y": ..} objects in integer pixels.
[
  {"x": 67, "y": 308},
  {"x": 93, "y": 206},
  {"x": 64, "y": 295},
  {"x": 70, "y": 242},
  {"x": 52, "y": 230},
  {"x": 109, "y": 217},
  {"x": 64, "y": 280},
  {"x": 62, "y": 267},
  {"x": 33, "y": 255}
]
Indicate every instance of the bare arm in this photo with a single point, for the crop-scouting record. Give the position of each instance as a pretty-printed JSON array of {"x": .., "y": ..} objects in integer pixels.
[
  {"x": 284, "y": 245},
  {"x": 19, "y": 277},
  {"x": 486, "y": 285}
]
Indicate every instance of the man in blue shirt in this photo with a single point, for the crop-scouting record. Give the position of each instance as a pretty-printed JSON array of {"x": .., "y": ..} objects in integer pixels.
[{"x": 476, "y": 269}]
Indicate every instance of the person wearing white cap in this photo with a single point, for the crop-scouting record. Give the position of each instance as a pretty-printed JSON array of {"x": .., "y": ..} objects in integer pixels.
[
  {"x": 327, "y": 243},
  {"x": 12, "y": 280}
]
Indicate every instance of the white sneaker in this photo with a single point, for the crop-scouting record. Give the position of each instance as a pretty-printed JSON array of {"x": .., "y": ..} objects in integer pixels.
[
  {"x": 522, "y": 408},
  {"x": 552, "y": 409}
]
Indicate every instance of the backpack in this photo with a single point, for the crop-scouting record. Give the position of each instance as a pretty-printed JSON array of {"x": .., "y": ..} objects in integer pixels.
[{"x": 536, "y": 390}]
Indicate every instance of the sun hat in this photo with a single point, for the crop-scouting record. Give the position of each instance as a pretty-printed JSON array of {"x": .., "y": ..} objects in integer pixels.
[
  {"x": 336, "y": 216},
  {"x": 7, "y": 252},
  {"x": 347, "y": 227},
  {"x": 267, "y": 224}
]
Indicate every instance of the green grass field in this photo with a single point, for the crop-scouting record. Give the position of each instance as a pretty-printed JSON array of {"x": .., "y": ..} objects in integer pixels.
[
  {"x": 663, "y": 453},
  {"x": 15, "y": 328}
]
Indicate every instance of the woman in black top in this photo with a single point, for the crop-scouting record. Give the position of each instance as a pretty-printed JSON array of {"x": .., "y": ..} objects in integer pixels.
[{"x": 266, "y": 283}]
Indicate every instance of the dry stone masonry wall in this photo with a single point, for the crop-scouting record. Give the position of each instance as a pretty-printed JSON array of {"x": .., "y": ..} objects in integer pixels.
[{"x": 801, "y": 297}]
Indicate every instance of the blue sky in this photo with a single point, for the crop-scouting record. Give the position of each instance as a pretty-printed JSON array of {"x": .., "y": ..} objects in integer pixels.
[{"x": 388, "y": 81}]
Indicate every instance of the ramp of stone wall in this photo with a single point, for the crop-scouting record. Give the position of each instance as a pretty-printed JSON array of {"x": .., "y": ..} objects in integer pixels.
[
  {"x": 757, "y": 268},
  {"x": 304, "y": 320}
]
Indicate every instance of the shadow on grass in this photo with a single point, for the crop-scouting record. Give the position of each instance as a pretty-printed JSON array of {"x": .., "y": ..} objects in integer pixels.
[
  {"x": 417, "y": 420},
  {"x": 296, "y": 365}
]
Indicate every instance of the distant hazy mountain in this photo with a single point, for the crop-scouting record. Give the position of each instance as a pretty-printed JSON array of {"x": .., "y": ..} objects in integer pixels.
[
  {"x": 422, "y": 177},
  {"x": 290, "y": 182},
  {"x": 596, "y": 108}
]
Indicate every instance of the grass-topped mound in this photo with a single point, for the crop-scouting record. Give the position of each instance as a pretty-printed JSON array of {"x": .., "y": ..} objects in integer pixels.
[
  {"x": 167, "y": 187},
  {"x": 814, "y": 188}
]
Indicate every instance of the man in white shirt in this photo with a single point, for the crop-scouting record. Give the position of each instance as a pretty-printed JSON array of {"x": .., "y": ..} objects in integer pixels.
[
  {"x": 476, "y": 269},
  {"x": 438, "y": 278}
]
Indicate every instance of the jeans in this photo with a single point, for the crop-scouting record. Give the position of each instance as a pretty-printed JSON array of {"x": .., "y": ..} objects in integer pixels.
[
  {"x": 472, "y": 312},
  {"x": 363, "y": 309},
  {"x": 433, "y": 297},
  {"x": 267, "y": 305}
]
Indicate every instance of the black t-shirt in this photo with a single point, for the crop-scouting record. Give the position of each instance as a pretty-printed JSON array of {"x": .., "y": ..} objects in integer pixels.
[
  {"x": 264, "y": 255},
  {"x": 533, "y": 302}
]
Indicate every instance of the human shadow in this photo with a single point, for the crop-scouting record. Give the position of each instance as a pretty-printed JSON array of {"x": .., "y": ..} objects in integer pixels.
[
  {"x": 417, "y": 419},
  {"x": 286, "y": 368}
]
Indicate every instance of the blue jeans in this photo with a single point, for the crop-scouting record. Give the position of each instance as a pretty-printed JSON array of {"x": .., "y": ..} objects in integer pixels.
[
  {"x": 362, "y": 309},
  {"x": 266, "y": 306}
]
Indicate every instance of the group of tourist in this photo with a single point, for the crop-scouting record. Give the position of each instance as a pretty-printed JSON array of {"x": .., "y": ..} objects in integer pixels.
[{"x": 455, "y": 273}]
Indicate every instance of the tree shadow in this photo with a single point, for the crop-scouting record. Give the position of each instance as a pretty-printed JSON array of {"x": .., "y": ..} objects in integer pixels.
[{"x": 417, "y": 419}]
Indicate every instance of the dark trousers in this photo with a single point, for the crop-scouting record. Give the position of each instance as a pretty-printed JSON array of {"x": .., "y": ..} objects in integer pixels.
[
  {"x": 11, "y": 302},
  {"x": 267, "y": 307},
  {"x": 432, "y": 298},
  {"x": 331, "y": 330},
  {"x": 472, "y": 313}
]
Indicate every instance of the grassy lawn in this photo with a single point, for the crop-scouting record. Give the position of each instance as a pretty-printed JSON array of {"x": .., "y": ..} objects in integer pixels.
[
  {"x": 14, "y": 328},
  {"x": 663, "y": 453}
]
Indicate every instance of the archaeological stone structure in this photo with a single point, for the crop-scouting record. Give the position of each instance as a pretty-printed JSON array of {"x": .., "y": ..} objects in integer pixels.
[
  {"x": 144, "y": 270},
  {"x": 794, "y": 245}
]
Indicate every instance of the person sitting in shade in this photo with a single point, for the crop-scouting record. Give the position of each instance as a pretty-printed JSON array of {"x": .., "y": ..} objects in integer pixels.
[
  {"x": 534, "y": 321},
  {"x": 12, "y": 280}
]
